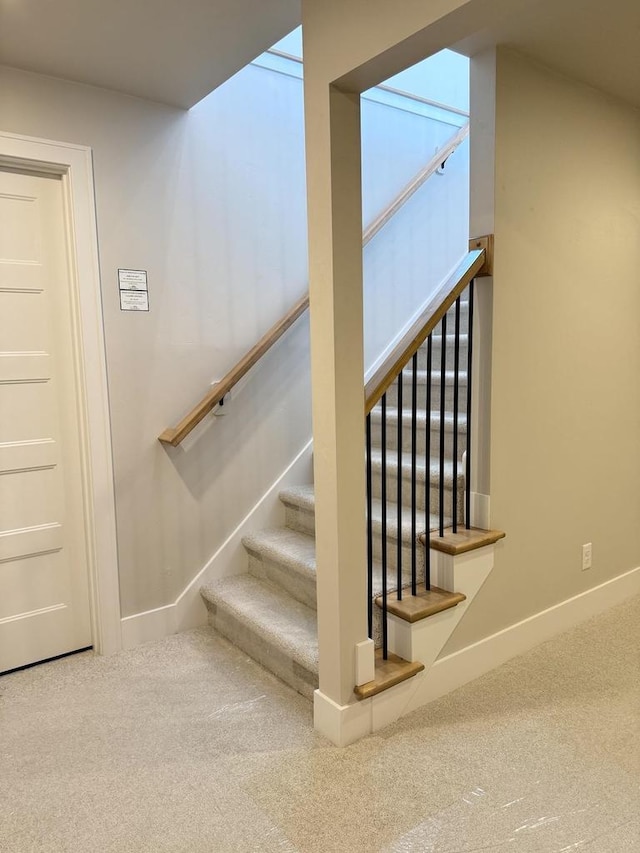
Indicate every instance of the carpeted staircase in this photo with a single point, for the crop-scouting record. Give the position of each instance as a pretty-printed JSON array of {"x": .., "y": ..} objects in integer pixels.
[{"x": 270, "y": 612}]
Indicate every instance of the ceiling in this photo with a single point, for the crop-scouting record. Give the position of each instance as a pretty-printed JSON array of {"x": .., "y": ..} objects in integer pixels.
[
  {"x": 591, "y": 40},
  {"x": 177, "y": 52},
  {"x": 173, "y": 51}
]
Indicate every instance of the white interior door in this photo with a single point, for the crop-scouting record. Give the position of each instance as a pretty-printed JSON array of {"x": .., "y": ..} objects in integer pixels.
[{"x": 44, "y": 600}]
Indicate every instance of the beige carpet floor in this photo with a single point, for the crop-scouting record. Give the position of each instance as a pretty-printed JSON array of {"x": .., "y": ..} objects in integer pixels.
[{"x": 186, "y": 745}]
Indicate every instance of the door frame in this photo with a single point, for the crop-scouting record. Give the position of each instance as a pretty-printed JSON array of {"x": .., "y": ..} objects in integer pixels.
[{"x": 74, "y": 165}]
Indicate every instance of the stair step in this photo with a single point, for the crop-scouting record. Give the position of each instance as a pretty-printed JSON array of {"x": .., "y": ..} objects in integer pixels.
[
  {"x": 421, "y": 477},
  {"x": 388, "y": 673},
  {"x": 421, "y": 419},
  {"x": 436, "y": 350},
  {"x": 421, "y": 386},
  {"x": 463, "y": 540},
  {"x": 300, "y": 507},
  {"x": 422, "y": 423},
  {"x": 421, "y": 467},
  {"x": 287, "y": 558},
  {"x": 427, "y": 602},
  {"x": 269, "y": 625}
]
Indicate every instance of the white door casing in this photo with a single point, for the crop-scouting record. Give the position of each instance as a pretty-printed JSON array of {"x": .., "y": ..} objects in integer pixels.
[{"x": 94, "y": 501}]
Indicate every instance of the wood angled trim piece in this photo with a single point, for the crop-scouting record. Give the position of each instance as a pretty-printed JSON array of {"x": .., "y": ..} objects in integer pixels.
[{"x": 485, "y": 243}]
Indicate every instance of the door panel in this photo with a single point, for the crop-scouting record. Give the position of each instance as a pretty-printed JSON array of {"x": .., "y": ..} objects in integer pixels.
[
  {"x": 26, "y": 409},
  {"x": 23, "y": 323},
  {"x": 44, "y": 602}
]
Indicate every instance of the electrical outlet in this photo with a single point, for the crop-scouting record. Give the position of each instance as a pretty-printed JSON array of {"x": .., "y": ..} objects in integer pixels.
[{"x": 586, "y": 556}]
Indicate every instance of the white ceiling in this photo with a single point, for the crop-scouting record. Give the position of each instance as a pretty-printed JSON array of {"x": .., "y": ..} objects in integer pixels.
[
  {"x": 173, "y": 51},
  {"x": 177, "y": 51},
  {"x": 594, "y": 41}
]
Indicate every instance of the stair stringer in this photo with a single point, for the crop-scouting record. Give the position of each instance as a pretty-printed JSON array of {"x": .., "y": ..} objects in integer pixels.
[{"x": 418, "y": 641}]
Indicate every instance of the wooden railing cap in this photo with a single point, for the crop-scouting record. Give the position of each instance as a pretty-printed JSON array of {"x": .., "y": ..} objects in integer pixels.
[{"x": 437, "y": 307}]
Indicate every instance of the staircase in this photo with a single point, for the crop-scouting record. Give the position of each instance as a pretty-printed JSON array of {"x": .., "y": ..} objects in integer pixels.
[{"x": 270, "y": 612}]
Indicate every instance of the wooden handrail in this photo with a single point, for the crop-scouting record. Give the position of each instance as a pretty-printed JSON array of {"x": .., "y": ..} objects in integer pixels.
[
  {"x": 438, "y": 306},
  {"x": 174, "y": 436},
  {"x": 423, "y": 175}
]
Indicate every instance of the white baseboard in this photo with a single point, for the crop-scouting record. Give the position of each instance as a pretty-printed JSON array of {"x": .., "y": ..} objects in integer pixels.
[
  {"x": 188, "y": 610},
  {"x": 145, "y": 627},
  {"x": 454, "y": 670},
  {"x": 341, "y": 724}
]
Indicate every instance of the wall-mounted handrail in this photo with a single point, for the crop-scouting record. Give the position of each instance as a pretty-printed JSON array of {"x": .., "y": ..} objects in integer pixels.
[
  {"x": 437, "y": 307},
  {"x": 174, "y": 435},
  {"x": 423, "y": 175}
]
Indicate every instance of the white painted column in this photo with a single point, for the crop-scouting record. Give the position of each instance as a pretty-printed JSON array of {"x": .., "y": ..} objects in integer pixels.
[
  {"x": 337, "y": 370},
  {"x": 481, "y": 221}
]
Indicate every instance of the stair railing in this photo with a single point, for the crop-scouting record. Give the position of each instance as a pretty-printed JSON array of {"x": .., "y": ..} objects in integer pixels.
[
  {"x": 174, "y": 435},
  {"x": 444, "y": 374}
]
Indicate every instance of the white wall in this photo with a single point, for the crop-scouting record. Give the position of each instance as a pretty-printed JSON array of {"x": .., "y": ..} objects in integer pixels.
[
  {"x": 406, "y": 261},
  {"x": 219, "y": 223},
  {"x": 565, "y": 397},
  {"x": 419, "y": 246},
  {"x": 429, "y": 235}
]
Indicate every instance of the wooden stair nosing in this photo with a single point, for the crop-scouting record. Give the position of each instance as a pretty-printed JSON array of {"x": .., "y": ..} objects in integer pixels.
[
  {"x": 388, "y": 673},
  {"x": 428, "y": 602},
  {"x": 463, "y": 540}
]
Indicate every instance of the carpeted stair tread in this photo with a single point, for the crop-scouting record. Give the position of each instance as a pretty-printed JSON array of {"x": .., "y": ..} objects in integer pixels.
[
  {"x": 285, "y": 556},
  {"x": 421, "y": 377},
  {"x": 300, "y": 497},
  {"x": 303, "y": 497},
  {"x": 421, "y": 419},
  {"x": 270, "y": 614},
  {"x": 451, "y": 338},
  {"x": 288, "y": 547},
  {"x": 421, "y": 468}
]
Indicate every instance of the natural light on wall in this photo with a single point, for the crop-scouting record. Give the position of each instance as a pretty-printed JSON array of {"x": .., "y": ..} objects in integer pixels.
[{"x": 405, "y": 121}]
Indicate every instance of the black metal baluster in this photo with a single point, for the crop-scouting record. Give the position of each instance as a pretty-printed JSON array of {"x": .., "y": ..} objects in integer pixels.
[
  {"x": 456, "y": 378},
  {"x": 467, "y": 496},
  {"x": 414, "y": 457},
  {"x": 369, "y": 532},
  {"x": 443, "y": 382},
  {"x": 384, "y": 524},
  {"x": 427, "y": 485},
  {"x": 399, "y": 490}
]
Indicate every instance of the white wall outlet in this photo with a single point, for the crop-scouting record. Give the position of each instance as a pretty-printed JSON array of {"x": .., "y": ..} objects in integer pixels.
[{"x": 586, "y": 556}]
